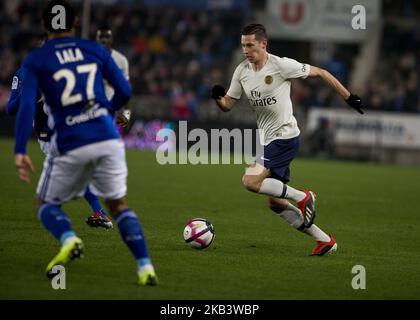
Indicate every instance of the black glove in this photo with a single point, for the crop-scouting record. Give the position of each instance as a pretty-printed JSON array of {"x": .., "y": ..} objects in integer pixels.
[
  {"x": 218, "y": 92},
  {"x": 355, "y": 102}
]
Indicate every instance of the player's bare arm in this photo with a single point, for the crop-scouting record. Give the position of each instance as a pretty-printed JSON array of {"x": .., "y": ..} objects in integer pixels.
[
  {"x": 330, "y": 80},
  {"x": 226, "y": 103},
  {"x": 352, "y": 100},
  {"x": 223, "y": 101}
]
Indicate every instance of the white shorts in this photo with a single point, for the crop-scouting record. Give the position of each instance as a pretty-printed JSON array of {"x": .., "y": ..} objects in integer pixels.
[
  {"x": 45, "y": 146},
  {"x": 101, "y": 166}
]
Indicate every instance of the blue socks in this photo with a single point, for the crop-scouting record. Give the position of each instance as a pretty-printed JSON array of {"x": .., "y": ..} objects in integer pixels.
[
  {"x": 93, "y": 202},
  {"x": 132, "y": 234},
  {"x": 143, "y": 262},
  {"x": 56, "y": 222}
]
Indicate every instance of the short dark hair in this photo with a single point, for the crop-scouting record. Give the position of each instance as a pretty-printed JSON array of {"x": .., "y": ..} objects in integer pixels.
[
  {"x": 104, "y": 28},
  {"x": 257, "y": 29},
  {"x": 43, "y": 36},
  {"x": 48, "y": 16}
]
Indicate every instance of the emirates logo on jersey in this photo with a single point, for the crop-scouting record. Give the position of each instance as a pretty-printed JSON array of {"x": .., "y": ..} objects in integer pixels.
[
  {"x": 257, "y": 101},
  {"x": 255, "y": 94},
  {"x": 268, "y": 79}
]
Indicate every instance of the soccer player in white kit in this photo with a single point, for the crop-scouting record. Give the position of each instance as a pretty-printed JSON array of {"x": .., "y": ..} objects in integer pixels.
[
  {"x": 265, "y": 79},
  {"x": 105, "y": 37}
]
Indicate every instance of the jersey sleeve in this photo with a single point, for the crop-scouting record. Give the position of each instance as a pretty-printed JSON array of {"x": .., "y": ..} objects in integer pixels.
[
  {"x": 25, "y": 114},
  {"x": 235, "y": 89},
  {"x": 14, "y": 99},
  {"x": 113, "y": 74},
  {"x": 126, "y": 69},
  {"x": 291, "y": 69}
]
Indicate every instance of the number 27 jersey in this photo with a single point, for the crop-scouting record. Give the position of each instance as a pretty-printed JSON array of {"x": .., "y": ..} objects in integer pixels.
[{"x": 70, "y": 74}]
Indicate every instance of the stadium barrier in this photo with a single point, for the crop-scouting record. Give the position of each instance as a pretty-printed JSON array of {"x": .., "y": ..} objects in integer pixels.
[{"x": 378, "y": 136}]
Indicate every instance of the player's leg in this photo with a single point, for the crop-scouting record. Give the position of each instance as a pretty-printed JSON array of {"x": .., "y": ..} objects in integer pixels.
[
  {"x": 325, "y": 243},
  {"x": 54, "y": 188},
  {"x": 287, "y": 211},
  {"x": 109, "y": 182},
  {"x": 257, "y": 179},
  {"x": 270, "y": 175},
  {"x": 98, "y": 217},
  {"x": 55, "y": 220},
  {"x": 133, "y": 236}
]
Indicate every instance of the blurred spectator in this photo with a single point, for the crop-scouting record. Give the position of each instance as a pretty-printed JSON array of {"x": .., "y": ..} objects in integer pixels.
[{"x": 180, "y": 109}]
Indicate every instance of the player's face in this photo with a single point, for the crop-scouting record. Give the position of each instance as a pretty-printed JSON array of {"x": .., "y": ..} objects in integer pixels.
[
  {"x": 253, "y": 49},
  {"x": 105, "y": 38}
]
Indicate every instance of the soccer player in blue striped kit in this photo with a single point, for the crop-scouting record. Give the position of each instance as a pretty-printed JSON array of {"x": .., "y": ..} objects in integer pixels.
[
  {"x": 43, "y": 132},
  {"x": 87, "y": 149}
]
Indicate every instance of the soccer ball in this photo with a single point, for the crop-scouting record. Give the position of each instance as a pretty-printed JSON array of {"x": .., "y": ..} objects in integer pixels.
[{"x": 199, "y": 233}]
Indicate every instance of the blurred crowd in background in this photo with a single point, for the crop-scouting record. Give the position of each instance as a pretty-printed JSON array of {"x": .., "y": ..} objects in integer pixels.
[
  {"x": 180, "y": 54},
  {"x": 395, "y": 84},
  {"x": 177, "y": 55}
]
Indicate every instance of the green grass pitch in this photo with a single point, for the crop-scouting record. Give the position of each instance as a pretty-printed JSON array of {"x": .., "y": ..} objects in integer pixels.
[{"x": 371, "y": 209}]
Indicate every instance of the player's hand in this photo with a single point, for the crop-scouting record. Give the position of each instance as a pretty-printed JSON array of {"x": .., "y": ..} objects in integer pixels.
[
  {"x": 121, "y": 120},
  {"x": 24, "y": 166},
  {"x": 355, "y": 102},
  {"x": 218, "y": 92}
]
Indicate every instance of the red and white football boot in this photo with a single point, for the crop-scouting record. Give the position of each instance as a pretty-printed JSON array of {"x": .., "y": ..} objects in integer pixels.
[{"x": 325, "y": 247}]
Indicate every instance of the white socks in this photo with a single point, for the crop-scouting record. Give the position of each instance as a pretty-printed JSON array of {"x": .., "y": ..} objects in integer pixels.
[
  {"x": 276, "y": 188},
  {"x": 317, "y": 233},
  {"x": 294, "y": 217}
]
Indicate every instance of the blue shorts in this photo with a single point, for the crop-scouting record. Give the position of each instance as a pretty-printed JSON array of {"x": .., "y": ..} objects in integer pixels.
[{"x": 277, "y": 157}]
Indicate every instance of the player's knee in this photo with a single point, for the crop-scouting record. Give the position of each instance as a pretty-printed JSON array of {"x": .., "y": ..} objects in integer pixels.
[
  {"x": 115, "y": 206},
  {"x": 251, "y": 183},
  {"x": 38, "y": 203}
]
